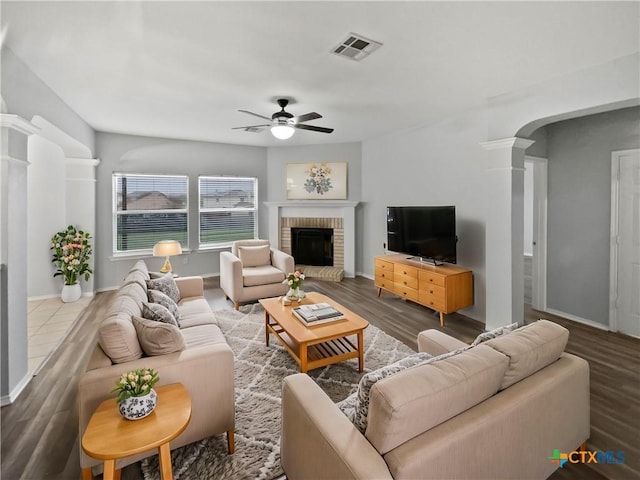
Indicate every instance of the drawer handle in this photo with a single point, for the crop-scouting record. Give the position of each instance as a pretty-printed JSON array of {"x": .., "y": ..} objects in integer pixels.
[
  {"x": 430, "y": 291},
  {"x": 404, "y": 282}
]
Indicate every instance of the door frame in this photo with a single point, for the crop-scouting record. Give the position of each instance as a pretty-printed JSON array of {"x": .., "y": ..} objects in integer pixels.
[
  {"x": 539, "y": 260},
  {"x": 613, "y": 250}
]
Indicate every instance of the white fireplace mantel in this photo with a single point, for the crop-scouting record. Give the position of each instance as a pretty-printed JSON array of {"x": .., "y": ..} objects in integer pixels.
[{"x": 318, "y": 208}]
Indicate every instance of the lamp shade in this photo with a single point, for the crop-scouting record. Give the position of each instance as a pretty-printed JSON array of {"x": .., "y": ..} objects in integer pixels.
[
  {"x": 167, "y": 248},
  {"x": 282, "y": 132}
]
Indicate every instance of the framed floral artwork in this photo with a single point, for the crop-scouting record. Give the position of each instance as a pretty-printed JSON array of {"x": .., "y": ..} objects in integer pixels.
[{"x": 317, "y": 181}]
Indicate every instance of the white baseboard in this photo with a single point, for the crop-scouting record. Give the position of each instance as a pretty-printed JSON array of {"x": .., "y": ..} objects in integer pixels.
[
  {"x": 578, "y": 319},
  {"x": 366, "y": 275},
  {"x": 9, "y": 399},
  {"x": 47, "y": 297}
]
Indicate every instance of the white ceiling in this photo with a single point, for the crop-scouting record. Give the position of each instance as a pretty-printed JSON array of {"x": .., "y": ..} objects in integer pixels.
[{"x": 183, "y": 69}]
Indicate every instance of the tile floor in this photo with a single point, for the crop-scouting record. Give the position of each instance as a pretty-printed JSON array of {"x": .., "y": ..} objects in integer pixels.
[{"x": 49, "y": 321}]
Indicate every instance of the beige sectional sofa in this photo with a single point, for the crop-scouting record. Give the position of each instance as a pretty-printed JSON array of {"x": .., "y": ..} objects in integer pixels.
[
  {"x": 494, "y": 410},
  {"x": 196, "y": 354}
]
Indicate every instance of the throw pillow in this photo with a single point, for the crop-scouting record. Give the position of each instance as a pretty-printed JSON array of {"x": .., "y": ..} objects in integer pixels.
[
  {"x": 167, "y": 285},
  {"x": 158, "y": 338},
  {"x": 348, "y": 406},
  {"x": 496, "y": 332},
  {"x": 255, "y": 256},
  {"x": 158, "y": 313},
  {"x": 156, "y": 296}
]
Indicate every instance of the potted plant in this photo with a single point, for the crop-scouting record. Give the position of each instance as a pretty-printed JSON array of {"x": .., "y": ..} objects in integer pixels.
[
  {"x": 71, "y": 254},
  {"x": 136, "y": 396}
]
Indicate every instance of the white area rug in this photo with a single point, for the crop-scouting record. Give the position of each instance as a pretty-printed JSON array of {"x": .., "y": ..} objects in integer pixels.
[{"x": 259, "y": 371}]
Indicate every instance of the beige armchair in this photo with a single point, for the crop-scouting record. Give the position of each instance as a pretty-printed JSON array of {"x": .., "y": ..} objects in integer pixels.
[{"x": 253, "y": 270}]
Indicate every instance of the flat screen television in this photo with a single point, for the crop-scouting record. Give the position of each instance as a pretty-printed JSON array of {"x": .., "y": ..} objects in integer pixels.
[{"x": 428, "y": 233}]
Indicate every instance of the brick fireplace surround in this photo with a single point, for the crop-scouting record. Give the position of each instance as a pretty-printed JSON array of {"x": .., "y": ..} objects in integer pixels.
[
  {"x": 338, "y": 215},
  {"x": 336, "y": 224}
]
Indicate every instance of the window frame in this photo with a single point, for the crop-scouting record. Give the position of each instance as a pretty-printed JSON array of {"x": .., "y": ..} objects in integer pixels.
[
  {"x": 116, "y": 214},
  {"x": 201, "y": 210}
]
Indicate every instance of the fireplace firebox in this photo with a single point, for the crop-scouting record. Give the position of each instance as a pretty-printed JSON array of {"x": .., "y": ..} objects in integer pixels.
[{"x": 312, "y": 246}]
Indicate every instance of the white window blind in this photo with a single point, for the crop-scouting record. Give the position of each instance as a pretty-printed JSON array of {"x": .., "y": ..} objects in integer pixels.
[
  {"x": 149, "y": 208},
  {"x": 228, "y": 209}
]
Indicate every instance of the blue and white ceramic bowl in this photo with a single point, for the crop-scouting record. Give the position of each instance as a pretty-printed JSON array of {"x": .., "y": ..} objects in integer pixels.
[{"x": 135, "y": 408}]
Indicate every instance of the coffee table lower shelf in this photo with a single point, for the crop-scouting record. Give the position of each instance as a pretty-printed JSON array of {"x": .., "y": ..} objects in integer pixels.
[{"x": 315, "y": 355}]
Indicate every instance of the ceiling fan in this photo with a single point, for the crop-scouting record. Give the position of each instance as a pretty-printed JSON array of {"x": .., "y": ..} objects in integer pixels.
[{"x": 283, "y": 124}]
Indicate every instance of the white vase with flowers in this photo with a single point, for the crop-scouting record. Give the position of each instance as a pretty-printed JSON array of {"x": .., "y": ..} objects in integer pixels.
[
  {"x": 136, "y": 396},
  {"x": 295, "y": 281},
  {"x": 71, "y": 253}
]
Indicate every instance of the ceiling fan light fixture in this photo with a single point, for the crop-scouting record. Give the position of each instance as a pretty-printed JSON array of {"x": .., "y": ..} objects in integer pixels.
[{"x": 282, "y": 132}]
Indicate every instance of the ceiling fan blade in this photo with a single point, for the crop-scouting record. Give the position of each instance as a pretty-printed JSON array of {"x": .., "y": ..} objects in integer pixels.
[
  {"x": 251, "y": 126},
  {"x": 314, "y": 128},
  {"x": 255, "y": 114},
  {"x": 306, "y": 117}
]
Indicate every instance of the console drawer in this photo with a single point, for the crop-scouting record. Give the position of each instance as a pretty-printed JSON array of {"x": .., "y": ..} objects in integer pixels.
[
  {"x": 433, "y": 303},
  {"x": 431, "y": 278},
  {"x": 384, "y": 281},
  {"x": 383, "y": 265},
  {"x": 405, "y": 291},
  {"x": 401, "y": 278},
  {"x": 432, "y": 296}
]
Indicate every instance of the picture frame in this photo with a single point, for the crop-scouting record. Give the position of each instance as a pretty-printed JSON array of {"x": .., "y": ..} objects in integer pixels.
[{"x": 317, "y": 181}]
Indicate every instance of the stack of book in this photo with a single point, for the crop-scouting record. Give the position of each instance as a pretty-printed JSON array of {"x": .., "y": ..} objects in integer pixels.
[{"x": 317, "y": 314}]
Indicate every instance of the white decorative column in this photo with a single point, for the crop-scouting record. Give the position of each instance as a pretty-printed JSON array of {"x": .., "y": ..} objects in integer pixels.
[
  {"x": 81, "y": 184},
  {"x": 13, "y": 238},
  {"x": 505, "y": 231}
]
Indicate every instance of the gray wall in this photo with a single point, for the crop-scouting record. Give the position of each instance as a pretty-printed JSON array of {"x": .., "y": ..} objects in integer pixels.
[
  {"x": 26, "y": 95},
  {"x": 442, "y": 164},
  {"x": 279, "y": 157},
  {"x": 579, "y": 209},
  {"x": 133, "y": 154}
]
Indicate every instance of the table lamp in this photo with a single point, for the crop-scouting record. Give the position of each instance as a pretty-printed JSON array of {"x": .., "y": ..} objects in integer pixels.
[{"x": 167, "y": 248}]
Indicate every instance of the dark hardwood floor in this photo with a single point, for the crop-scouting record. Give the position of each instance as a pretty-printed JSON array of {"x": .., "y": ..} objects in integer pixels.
[{"x": 40, "y": 433}]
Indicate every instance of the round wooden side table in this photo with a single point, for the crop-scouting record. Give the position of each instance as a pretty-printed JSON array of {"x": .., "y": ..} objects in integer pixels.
[{"x": 109, "y": 436}]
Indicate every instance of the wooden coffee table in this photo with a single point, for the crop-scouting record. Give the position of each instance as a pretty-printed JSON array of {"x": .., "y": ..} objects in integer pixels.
[
  {"x": 109, "y": 436},
  {"x": 317, "y": 346}
]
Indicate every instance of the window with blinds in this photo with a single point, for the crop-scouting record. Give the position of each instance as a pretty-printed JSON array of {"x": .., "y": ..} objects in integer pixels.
[
  {"x": 228, "y": 209},
  {"x": 149, "y": 208}
]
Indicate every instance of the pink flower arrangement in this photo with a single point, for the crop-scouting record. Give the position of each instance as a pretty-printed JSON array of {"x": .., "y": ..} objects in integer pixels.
[
  {"x": 294, "y": 280},
  {"x": 71, "y": 253}
]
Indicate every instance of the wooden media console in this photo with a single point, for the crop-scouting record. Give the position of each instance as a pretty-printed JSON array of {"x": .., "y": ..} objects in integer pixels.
[{"x": 443, "y": 288}]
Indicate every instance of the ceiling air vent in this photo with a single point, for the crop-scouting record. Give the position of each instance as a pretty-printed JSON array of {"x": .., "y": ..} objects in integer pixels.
[{"x": 356, "y": 47}]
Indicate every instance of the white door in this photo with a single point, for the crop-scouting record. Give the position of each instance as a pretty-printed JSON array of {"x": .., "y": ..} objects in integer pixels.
[
  {"x": 538, "y": 166},
  {"x": 625, "y": 243}
]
